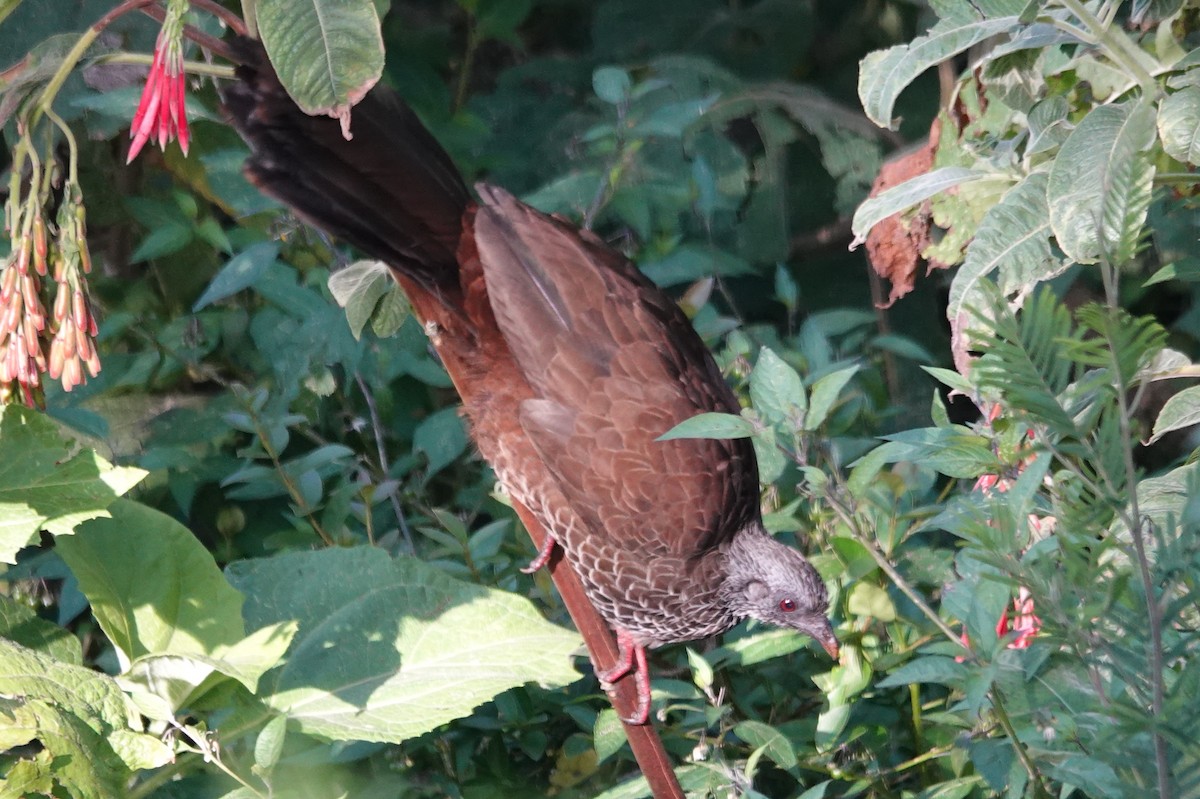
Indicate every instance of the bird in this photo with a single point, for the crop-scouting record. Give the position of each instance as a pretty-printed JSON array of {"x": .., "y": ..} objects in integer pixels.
[{"x": 570, "y": 363}]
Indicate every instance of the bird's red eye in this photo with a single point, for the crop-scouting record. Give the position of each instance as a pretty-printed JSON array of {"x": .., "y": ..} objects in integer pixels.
[{"x": 787, "y": 605}]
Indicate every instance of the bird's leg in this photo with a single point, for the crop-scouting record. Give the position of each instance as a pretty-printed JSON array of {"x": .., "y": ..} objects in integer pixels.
[
  {"x": 543, "y": 555},
  {"x": 631, "y": 656}
]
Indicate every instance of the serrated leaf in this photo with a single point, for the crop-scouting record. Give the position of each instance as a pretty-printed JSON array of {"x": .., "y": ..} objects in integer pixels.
[
  {"x": 776, "y": 391},
  {"x": 953, "y": 451},
  {"x": 1100, "y": 184},
  {"x": 1014, "y": 238},
  {"x": 825, "y": 393},
  {"x": 885, "y": 73},
  {"x": 906, "y": 195},
  {"x": 70, "y": 710},
  {"x": 390, "y": 313},
  {"x": 1179, "y": 124},
  {"x": 354, "y": 672},
  {"x": 41, "y": 487},
  {"x": 710, "y": 425},
  {"x": 241, "y": 272},
  {"x": 933, "y": 669},
  {"x": 358, "y": 288},
  {"x": 328, "y": 53}
]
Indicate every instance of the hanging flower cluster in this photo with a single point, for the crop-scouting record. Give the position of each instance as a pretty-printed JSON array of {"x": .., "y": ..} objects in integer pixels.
[
  {"x": 61, "y": 345},
  {"x": 161, "y": 114}
]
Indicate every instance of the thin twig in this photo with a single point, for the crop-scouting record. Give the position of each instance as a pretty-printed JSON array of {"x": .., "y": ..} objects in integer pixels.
[{"x": 381, "y": 451}]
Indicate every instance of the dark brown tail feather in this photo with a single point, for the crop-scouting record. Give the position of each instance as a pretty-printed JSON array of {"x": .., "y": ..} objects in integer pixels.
[{"x": 391, "y": 191}]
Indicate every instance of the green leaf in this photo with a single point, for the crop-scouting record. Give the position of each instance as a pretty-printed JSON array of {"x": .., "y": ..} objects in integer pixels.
[
  {"x": 354, "y": 672},
  {"x": 1014, "y": 238},
  {"x": 391, "y": 312},
  {"x": 906, "y": 195},
  {"x": 825, "y": 393},
  {"x": 884, "y": 74},
  {"x": 612, "y": 85},
  {"x": 1181, "y": 410},
  {"x": 21, "y": 625},
  {"x": 241, "y": 272},
  {"x": 608, "y": 734},
  {"x": 1100, "y": 184},
  {"x": 932, "y": 669},
  {"x": 328, "y": 53},
  {"x": 777, "y": 392},
  {"x": 442, "y": 437},
  {"x": 1179, "y": 124},
  {"x": 42, "y": 486},
  {"x": 776, "y": 745},
  {"x": 152, "y": 585},
  {"x": 870, "y": 601},
  {"x": 710, "y": 425},
  {"x": 269, "y": 744},
  {"x": 70, "y": 710},
  {"x": 358, "y": 288},
  {"x": 953, "y": 451}
]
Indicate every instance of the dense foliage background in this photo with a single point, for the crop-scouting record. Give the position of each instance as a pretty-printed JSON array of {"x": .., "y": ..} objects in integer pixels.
[{"x": 255, "y": 555}]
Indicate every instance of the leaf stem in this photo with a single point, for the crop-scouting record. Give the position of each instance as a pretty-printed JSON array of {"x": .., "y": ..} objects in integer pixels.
[
  {"x": 1136, "y": 532},
  {"x": 293, "y": 490},
  {"x": 1117, "y": 45}
]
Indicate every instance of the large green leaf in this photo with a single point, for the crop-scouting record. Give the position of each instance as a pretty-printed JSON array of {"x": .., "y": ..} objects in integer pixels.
[
  {"x": 42, "y": 486},
  {"x": 1100, "y": 183},
  {"x": 162, "y": 601},
  {"x": 328, "y": 53},
  {"x": 390, "y": 649}
]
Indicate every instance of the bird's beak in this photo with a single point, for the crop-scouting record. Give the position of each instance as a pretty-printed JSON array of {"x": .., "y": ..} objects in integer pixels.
[{"x": 825, "y": 637}]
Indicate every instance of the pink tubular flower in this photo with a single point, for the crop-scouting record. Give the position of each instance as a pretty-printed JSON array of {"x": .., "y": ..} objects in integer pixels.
[
  {"x": 1024, "y": 623},
  {"x": 161, "y": 113}
]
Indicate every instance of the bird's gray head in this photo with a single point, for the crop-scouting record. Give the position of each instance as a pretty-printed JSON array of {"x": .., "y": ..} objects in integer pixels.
[{"x": 769, "y": 581}]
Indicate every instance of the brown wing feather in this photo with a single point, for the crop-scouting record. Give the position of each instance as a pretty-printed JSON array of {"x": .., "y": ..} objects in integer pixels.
[{"x": 614, "y": 364}]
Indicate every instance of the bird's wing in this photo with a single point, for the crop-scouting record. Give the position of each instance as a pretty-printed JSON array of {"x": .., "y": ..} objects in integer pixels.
[{"x": 614, "y": 364}]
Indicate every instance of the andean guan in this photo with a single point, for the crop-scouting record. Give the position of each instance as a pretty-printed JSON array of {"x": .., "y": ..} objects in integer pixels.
[{"x": 576, "y": 364}]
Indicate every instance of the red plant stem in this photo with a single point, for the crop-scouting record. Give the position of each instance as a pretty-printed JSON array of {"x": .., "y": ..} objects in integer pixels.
[
  {"x": 203, "y": 39},
  {"x": 643, "y": 738}
]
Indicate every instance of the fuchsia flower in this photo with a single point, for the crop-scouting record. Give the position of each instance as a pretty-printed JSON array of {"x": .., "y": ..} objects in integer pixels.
[
  {"x": 161, "y": 113},
  {"x": 1024, "y": 622}
]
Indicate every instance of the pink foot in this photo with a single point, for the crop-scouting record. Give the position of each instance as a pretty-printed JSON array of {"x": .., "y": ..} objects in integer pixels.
[
  {"x": 631, "y": 656},
  {"x": 543, "y": 555}
]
